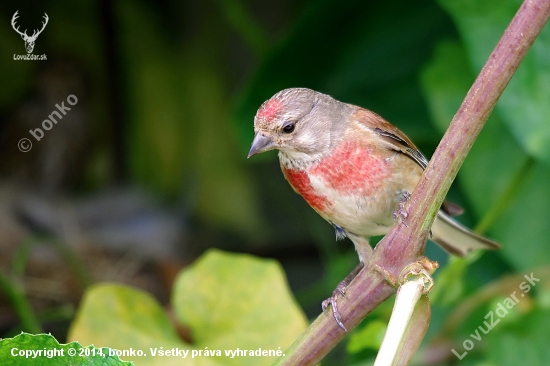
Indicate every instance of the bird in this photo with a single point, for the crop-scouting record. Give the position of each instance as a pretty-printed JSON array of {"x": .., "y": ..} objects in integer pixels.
[{"x": 355, "y": 169}]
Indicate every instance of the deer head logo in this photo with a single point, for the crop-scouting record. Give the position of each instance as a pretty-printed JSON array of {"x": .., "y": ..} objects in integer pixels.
[{"x": 29, "y": 40}]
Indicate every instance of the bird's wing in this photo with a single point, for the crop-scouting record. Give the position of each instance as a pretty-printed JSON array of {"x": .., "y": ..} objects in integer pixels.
[
  {"x": 392, "y": 137},
  {"x": 448, "y": 233},
  {"x": 396, "y": 140}
]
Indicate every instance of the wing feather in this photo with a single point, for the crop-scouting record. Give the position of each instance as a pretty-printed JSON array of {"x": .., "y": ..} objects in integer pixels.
[{"x": 393, "y": 138}]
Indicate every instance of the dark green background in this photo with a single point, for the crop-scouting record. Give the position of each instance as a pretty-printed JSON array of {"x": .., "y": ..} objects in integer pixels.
[{"x": 171, "y": 89}]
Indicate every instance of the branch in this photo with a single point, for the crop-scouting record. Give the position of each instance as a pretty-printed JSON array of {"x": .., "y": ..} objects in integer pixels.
[{"x": 403, "y": 245}]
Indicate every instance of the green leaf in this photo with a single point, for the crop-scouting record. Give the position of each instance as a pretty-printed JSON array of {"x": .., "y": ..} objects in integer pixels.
[
  {"x": 125, "y": 319},
  {"x": 229, "y": 302},
  {"x": 235, "y": 301},
  {"x": 524, "y": 106},
  {"x": 45, "y": 350}
]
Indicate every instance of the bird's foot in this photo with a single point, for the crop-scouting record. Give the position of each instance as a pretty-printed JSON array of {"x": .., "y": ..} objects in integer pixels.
[
  {"x": 401, "y": 213},
  {"x": 340, "y": 290}
]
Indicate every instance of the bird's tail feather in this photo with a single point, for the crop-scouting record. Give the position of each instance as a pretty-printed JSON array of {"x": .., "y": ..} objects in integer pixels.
[{"x": 456, "y": 239}]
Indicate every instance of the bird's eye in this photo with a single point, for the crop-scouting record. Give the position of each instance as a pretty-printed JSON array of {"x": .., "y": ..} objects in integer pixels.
[{"x": 288, "y": 127}]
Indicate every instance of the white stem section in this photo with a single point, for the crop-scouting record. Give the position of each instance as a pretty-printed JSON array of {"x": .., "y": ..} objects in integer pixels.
[{"x": 405, "y": 302}]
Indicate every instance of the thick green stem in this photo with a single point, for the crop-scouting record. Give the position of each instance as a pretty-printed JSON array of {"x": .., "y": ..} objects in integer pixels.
[{"x": 404, "y": 245}]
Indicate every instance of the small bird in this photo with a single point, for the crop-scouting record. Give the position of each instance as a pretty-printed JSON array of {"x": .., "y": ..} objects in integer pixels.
[{"x": 353, "y": 168}]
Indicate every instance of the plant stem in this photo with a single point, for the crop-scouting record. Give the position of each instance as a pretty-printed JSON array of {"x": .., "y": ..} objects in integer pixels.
[
  {"x": 404, "y": 245},
  {"x": 405, "y": 301},
  {"x": 15, "y": 294}
]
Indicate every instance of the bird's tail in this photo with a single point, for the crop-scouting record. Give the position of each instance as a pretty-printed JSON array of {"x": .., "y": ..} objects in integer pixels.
[{"x": 456, "y": 239}]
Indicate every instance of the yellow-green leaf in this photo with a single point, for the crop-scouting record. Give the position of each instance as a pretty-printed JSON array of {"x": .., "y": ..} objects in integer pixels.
[
  {"x": 235, "y": 301},
  {"x": 128, "y": 320},
  {"x": 238, "y": 307}
]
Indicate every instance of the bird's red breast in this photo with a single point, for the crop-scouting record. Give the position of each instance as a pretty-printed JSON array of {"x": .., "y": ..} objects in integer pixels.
[
  {"x": 349, "y": 170},
  {"x": 352, "y": 169},
  {"x": 299, "y": 180}
]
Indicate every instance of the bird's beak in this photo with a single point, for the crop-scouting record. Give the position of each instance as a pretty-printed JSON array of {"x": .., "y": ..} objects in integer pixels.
[{"x": 260, "y": 144}]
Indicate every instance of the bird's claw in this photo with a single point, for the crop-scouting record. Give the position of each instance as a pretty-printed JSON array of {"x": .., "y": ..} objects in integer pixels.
[
  {"x": 401, "y": 213},
  {"x": 340, "y": 290}
]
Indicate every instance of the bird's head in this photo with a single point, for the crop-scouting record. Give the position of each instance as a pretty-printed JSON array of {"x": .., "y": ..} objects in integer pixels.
[{"x": 299, "y": 122}]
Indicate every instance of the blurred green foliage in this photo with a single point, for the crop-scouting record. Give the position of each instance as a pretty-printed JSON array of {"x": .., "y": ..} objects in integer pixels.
[
  {"x": 366, "y": 53},
  {"x": 193, "y": 75},
  {"x": 524, "y": 106}
]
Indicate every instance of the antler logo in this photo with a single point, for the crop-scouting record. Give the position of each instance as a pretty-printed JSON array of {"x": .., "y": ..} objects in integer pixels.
[{"x": 29, "y": 40}]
